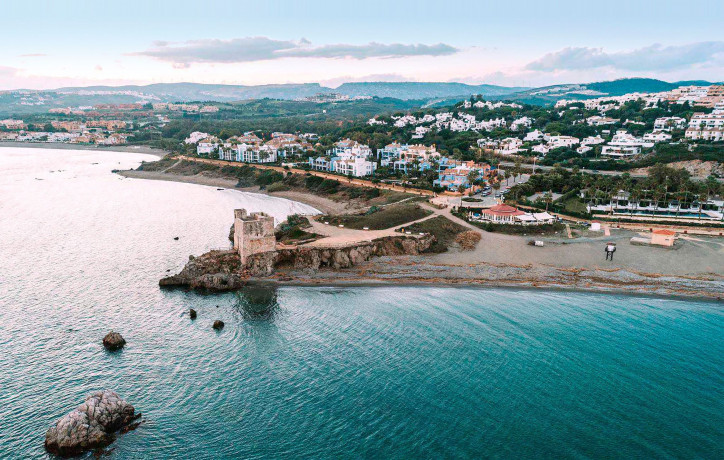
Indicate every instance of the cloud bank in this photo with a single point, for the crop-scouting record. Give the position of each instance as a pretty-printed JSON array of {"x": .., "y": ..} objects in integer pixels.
[
  {"x": 651, "y": 58},
  {"x": 250, "y": 49}
]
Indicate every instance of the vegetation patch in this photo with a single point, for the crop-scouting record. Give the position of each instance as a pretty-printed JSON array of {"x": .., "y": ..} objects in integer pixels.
[
  {"x": 445, "y": 231},
  {"x": 294, "y": 230},
  {"x": 382, "y": 218}
]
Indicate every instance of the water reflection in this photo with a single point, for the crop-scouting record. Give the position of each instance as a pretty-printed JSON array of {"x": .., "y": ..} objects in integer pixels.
[{"x": 258, "y": 303}]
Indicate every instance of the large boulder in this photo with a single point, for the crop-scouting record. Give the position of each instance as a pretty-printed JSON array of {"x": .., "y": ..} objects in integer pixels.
[
  {"x": 218, "y": 325},
  {"x": 113, "y": 341},
  {"x": 90, "y": 426}
]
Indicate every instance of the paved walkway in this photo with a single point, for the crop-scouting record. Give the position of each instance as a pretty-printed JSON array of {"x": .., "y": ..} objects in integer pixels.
[{"x": 342, "y": 236}]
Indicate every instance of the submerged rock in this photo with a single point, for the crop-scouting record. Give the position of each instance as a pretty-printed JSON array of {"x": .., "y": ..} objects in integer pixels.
[
  {"x": 192, "y": 313},
  {"x": 218, "y": 325},
  {"x": 113, "y": 341},
  {"x": 91, "y": 425}
]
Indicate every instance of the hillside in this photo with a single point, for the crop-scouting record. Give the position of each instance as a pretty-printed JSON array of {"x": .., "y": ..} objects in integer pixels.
[
  {"x": 551, "y": 94},
  {"x": 422, "y": 90}
]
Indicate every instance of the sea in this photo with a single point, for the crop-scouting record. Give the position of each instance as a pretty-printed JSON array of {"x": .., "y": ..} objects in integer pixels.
[{"x": 389, "y": 372}]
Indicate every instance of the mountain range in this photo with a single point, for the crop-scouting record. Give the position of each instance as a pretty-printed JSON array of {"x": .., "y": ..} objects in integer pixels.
[{"x": 427, "y": 93}]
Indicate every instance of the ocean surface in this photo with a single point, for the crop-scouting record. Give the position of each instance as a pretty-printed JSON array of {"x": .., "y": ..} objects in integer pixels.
[{"x": 315, "y": 372}]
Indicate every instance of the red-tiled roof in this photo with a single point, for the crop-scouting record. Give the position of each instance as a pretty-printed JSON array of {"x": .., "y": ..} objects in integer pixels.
[{"x": 502, "y": 210}]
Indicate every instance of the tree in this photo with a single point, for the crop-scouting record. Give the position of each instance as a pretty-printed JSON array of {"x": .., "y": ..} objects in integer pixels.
[
  {"x": 548, "y": 198},
  {"x": 472, "y": 177}
]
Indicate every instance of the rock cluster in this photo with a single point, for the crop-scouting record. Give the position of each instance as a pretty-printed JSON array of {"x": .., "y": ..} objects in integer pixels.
[
  {"x": 113, "y": 341},
  {"x": 222, "y": 270},
  {"x": 91, "y": 425},
  {"x": 215, "y": 270}
]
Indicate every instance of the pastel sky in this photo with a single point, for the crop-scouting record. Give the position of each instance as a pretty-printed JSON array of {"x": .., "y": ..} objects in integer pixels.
[{"x": 49, "y": 44}]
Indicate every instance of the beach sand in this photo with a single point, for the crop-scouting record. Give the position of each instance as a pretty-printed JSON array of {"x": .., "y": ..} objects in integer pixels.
[
  {"x": 325, "y": 205},
  {"x": 695, "y": 268}
]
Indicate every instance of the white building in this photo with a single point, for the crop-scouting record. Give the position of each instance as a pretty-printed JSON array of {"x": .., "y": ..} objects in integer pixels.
[
  {"x": 620, "y": 151},
  {"x": 358, "y": 167},
  {"x": 657, "y": 136},
  {"x": 195, "y": 137},
  {"x": 591, "y": 140},
  {"x": 555, "y": 142},
  {"x": 533, "y": 136},
  {"x": 206, "y": 147},
  {"x": 669, "y": 123},
  {"x": 523, "y": 122},
  {"x": 510, "y": 146}
]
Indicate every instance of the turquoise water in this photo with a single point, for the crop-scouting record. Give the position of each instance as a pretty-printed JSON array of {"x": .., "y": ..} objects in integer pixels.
[{"x": 392, "y": 372}]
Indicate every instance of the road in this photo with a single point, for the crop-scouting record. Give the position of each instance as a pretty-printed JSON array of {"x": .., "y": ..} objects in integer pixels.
[{"x": 325, "y": 175}]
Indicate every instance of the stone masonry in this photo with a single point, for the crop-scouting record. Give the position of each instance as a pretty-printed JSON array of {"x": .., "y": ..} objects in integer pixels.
[{"x": 253, "y": 234}]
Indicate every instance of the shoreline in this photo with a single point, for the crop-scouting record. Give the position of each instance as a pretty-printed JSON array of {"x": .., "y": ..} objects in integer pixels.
[
  {"x": 324, "y": 205},
  {"x": 483, "y": 285},
  {"x": 419, "y": 272},
  {"x": 101, "y": 148}
]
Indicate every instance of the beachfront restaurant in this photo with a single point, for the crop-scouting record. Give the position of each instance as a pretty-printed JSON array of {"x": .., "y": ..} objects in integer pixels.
[{"x": 504, "y": 214}]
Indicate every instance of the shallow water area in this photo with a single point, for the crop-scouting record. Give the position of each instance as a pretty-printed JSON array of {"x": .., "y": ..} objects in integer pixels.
[{"x": 322, "y": 372}]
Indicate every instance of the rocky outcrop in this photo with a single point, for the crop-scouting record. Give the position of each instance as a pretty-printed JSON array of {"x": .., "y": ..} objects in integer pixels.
[
  {"x": 91, "y": 426},
  {"x": 222, "y": 270},
  {"x": 315, "y": 257},
  {"x": 113, "y": 341},
  {"x": 215, "y": 270}
]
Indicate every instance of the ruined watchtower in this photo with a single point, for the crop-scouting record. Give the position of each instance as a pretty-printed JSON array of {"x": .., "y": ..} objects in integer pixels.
[{"x": 253, "y": 233}]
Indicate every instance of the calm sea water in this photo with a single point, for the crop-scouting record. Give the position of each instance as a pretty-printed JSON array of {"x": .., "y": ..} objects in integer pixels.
[{"x": 393, "y": 372}]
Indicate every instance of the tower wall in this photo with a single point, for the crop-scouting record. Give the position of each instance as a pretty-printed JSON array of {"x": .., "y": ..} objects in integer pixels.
[{"x": 253, "y": 233}]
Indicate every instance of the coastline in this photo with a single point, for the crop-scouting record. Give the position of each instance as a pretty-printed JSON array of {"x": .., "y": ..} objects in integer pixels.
[
  {"x": 424, "y": 271},
  {"x": 483, "y": 285},
  {"x": 500, "y": 260},
  {"x": 322, "y": 204},
  {"x": 110, "y": 148}
]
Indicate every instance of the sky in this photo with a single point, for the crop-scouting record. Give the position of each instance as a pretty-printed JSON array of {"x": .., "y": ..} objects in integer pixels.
[{"x": 51, "y": 44}]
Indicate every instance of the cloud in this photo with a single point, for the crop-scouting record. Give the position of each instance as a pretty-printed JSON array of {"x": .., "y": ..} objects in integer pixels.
[
  {"x": 33, "y": 55},
  {"x": 655, "y": 57},
  {"x": 252, "y": 49}
]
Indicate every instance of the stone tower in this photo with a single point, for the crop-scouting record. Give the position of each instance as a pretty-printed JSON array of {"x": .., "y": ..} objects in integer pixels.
[{"x": 253, "y": 233}]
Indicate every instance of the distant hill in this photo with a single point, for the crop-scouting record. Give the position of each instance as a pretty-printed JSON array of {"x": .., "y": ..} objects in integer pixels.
[
  {"x": 422, "y": 90},
  {"x": 173, "y": 92},
  {"x": 427, "y": 94},
  {"x": 551, "y": 94}
]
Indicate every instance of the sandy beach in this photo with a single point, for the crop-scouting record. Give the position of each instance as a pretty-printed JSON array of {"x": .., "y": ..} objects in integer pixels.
[
  {"x": 325, "y": 205},
  {"x": 695, "y": 268}
]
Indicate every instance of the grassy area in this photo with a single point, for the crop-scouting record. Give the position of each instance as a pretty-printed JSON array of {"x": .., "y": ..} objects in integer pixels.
[
  {"x": 159, "y": 165},
  {"x": 293, "y": 230},
  {"x": 445, "y": 231},
  {"x": 382, "y": 218},
  {"x": 574, "y": 205}
]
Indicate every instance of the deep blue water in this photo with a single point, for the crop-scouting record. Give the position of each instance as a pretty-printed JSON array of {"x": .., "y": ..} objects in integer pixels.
[{"x": 383, "y": 372}]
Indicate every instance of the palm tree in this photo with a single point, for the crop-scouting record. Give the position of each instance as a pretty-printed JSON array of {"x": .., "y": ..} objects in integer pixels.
[
  {"x": 548, "y": 198},
  {"x": 504, "y": 175}
]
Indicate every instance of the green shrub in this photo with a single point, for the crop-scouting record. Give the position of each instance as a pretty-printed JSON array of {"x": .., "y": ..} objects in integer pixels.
[{"x": 277, "y": 187}]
